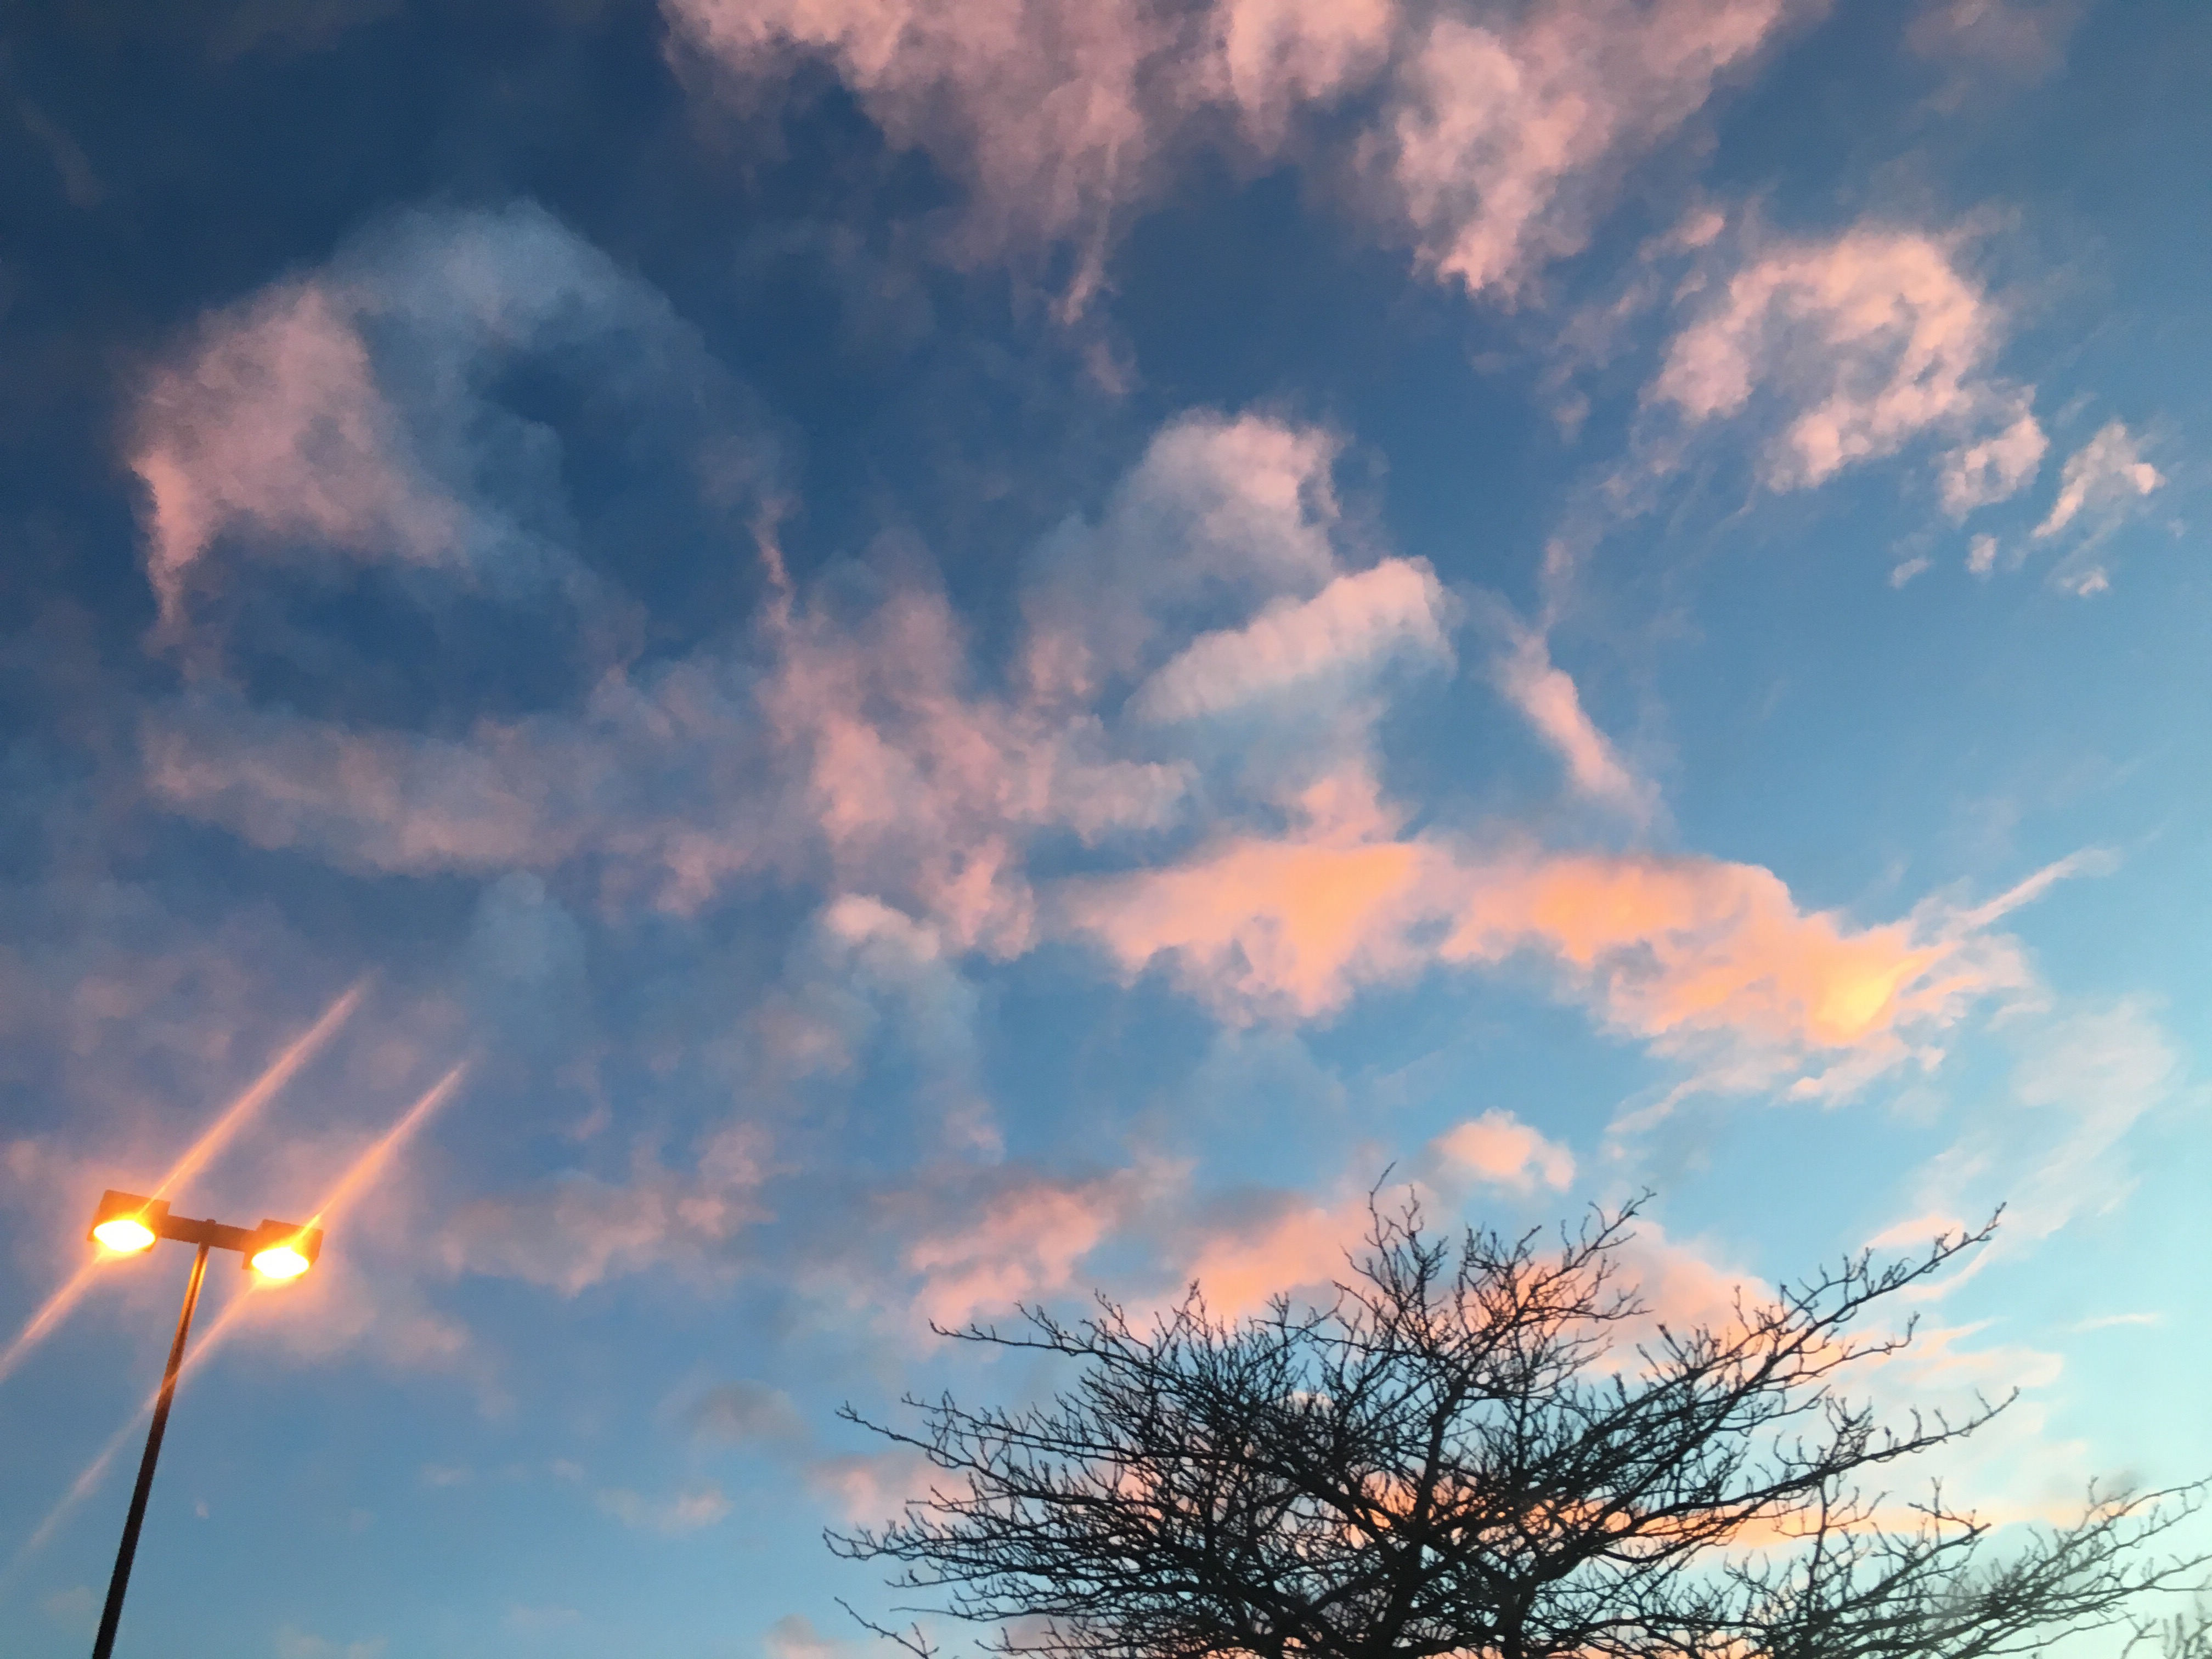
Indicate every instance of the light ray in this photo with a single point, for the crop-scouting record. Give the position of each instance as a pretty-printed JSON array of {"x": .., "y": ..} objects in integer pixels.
[
  {"x": 358, "y": 1177},
  {"x": 365, "y": 1169},
  {"x": 217, "y": 1135}
]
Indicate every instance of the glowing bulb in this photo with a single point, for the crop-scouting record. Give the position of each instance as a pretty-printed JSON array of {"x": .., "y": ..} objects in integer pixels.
[
  {"x": 125, "y": 1234},
  {"x": 280, "y": 1261}
]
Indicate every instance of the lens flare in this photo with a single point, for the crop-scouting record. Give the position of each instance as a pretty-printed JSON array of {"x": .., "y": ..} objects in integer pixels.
[
  {"x": 302, "y": 1049},
  {"x": 280, "y": 1262},
  {"x": 363, "y": 1171},
  {"x": 280, "y": 1073},
  {"x": 370, "y": 1164},
  {"x": 125, "y": 1234}
]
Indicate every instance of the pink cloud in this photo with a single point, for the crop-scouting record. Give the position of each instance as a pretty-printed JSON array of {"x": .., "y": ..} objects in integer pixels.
[
  {"x": 1021, "y": 1244},
  {"x": 1298, "y": 1247},
  {"x": 1498, "y": 1149},
  {"x": 1303, "y": 1247},
  {"x": 274, "y": 421},
  {"x": 1868, "y": 341},
  {"x": 571, "y": 1233},
  {"x": 1049, "y": 111},
  {"x": 1501, "y": 138},
  {"x": 1497, "y": 147},
  {"x": 1548, "y": 696},
  {"x": 871, "y": 1487},
  {"x": 1273, "y": 57},
  {"x": 506, "y": 797},
  {"x": 1995, "y": 468},
  {"x": 344, "y": 416},
  {"x": 2108, "y": 469},
  {"x": 921, "y": 787}
]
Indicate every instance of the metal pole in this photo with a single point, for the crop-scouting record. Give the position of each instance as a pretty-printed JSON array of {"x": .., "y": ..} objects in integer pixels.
[{"x": 104, "y": 1644}]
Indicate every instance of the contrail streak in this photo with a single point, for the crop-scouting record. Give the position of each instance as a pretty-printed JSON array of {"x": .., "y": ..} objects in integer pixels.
[
  {"x": 359, "y": 1176},
  {"x": 217, "y": 1135}
]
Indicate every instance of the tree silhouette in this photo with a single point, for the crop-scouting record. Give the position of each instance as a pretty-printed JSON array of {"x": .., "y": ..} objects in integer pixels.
[{"x": 1485, "y": 1449}]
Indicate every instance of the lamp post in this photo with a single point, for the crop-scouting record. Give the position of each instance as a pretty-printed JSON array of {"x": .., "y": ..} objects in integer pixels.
[{"x": 127, "y": 1225}]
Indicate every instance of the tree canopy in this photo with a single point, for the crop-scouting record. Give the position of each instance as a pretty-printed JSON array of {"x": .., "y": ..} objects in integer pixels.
[{"x": 1483, "y": 1448}]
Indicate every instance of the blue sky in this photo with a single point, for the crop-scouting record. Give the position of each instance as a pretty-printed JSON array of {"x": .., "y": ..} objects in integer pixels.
[{"x": 959, "y": 654}]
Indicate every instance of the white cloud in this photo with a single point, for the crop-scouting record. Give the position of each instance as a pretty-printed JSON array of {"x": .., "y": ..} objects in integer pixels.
[
  {"x": 1356, "y": 621},
  {"x": 2052, "y": 1150}
]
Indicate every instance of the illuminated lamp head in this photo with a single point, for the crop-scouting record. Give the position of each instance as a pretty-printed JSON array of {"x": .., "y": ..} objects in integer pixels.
[
  {"x": 283, "y": 1250},
  {"x": 125, "y": 1223}
]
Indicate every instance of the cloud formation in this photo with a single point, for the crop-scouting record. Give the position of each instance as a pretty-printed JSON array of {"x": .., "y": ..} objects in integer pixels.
[
  {"x": 2100, "y": 483},
  {"x": 1499, "y": 1150},
  {"x": 1548, "y": 696},
  {"x": 1708, "y": 960},
  {"x": 1506, "y": 132},
  {"x": 577, "y": 1232},
  {"x": 348, "y": 415},
  {"x": 1356, "y": 621},
  {"x": 1860, "y": 344},
  {"x": 1489, "y": 138}
]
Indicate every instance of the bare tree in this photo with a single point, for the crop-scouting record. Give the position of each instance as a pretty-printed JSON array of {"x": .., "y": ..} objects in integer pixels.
[{"x": 1470, "y": 1453}]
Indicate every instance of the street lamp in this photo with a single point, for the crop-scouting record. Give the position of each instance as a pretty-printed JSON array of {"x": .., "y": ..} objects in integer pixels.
[{"x": 127, "y": 1225}]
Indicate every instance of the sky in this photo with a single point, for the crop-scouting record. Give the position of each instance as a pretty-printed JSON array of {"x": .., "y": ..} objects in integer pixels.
[{"x": 733, "y": 676}]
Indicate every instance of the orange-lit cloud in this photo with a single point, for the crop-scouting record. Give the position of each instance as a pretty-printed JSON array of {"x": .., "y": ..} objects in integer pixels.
[
  {"x": 1021, "y": 1244},
  {"x": 1499, "y": 1149},
  {"x": 1299, "y": 1246},
  {"x": 1699, "y": 957}
]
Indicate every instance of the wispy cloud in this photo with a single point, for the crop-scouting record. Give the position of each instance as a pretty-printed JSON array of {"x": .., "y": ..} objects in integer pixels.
[
  {"x": 346, "y": 416},
  {"x": 2101, "y": 483},
  {"x": 1548, "y": 697},
  {"x": 673, "y": 1516},
  {"x": 1505, "y": 132},
  {"x": 1495, "y": 139},
  {"x": 1860, "y": 344},
  {"x": 2017, "y": 39},
  {"x": 579, "y": 1232}
]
